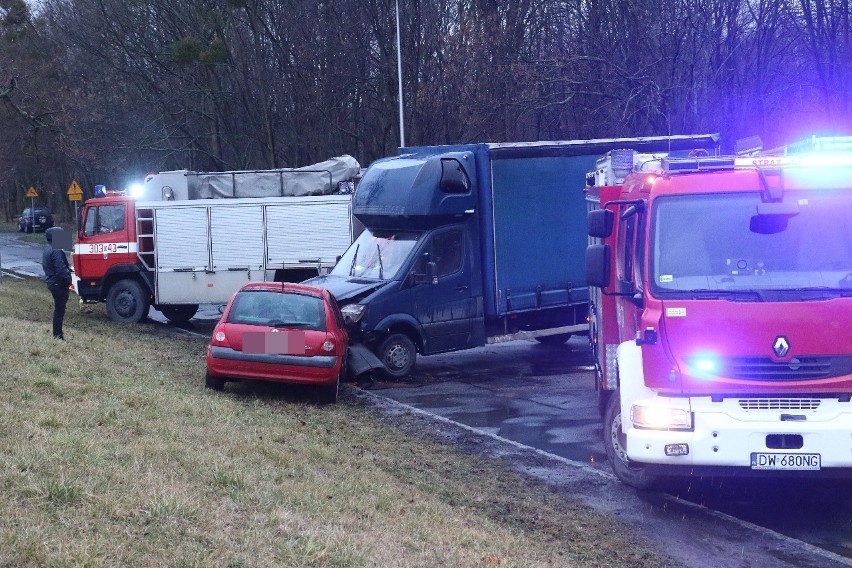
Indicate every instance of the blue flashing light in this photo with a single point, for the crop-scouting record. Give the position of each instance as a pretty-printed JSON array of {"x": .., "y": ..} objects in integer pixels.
[{"x": 705, "y": 365}]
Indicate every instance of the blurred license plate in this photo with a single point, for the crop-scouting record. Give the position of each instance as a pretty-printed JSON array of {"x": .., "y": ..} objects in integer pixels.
[
  {"x": 278, "y": 343},
  {"x": 785, "y": 461}
]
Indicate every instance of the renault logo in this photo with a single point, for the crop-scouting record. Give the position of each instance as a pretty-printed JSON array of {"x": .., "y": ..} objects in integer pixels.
[{"x": 781, "y": 346}]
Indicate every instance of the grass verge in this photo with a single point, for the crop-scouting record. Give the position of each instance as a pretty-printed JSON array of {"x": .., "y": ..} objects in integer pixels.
[{"x": 112, "y": 453}]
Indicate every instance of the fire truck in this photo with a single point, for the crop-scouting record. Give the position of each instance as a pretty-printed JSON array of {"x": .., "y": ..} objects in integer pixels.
[
  {"x": 176, "y": 253},
  {"x": 721, "y": 310}
]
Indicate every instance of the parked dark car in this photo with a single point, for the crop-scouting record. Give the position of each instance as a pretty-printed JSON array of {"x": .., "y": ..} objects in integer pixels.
[
  {"x": 38, "y": 219},
  {"x": 279, "y": 332}
]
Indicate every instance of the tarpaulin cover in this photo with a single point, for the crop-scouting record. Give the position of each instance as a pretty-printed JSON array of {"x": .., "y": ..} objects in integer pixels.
[{"x": 316, "y": 179}]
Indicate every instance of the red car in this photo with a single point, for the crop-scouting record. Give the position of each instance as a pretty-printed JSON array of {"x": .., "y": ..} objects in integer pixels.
[{"x": 280, "y": 332}]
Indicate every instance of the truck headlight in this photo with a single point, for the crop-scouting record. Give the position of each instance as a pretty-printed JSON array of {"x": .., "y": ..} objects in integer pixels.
[
  {"x": 660, "y": 417},
  {"x": 353, "y": 312}
]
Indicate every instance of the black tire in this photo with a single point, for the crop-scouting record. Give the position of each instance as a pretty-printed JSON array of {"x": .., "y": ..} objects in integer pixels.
[
  {"x": 328, "y": 394},
  {"x": 553, "y": 340},
  {"x": 127, "y": 302},
  {"x": 30, "y": 229},
  {"x": 179, "y": 313},
  {"x": 214, "y": 383},
  {"x": 626, "y": 471},
  {"x": 603, "y": 400},
  {"x": 398, "y": 354}
]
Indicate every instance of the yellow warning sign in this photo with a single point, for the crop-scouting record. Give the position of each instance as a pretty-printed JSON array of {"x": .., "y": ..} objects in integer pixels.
[
  {"x": 75, "y": 192},
  {"x": 31, "y": 192}
]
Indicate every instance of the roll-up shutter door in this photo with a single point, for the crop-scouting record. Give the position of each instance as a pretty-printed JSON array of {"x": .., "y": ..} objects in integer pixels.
[
  {"x": 182, "y": 238},
  {"x": 237, "y": 237},
  {"x": 308, "y": 232}
]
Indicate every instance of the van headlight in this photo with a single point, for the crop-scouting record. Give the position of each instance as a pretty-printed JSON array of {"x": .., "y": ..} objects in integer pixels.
[
  {"x": 660, "y": 417},
  {"x": 353, "y": 312}
]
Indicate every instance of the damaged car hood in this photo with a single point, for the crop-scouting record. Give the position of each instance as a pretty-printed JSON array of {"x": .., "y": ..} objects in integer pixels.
[{"x": 344, "y": 289}]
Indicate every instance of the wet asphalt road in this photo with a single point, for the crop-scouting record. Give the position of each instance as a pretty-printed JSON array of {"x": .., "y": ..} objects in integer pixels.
[{"x": 543, "y": 397}]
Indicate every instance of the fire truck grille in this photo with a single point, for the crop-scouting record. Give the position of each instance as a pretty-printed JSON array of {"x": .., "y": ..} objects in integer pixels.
[
  {"x": 779, "y": 403},
  {"x": 796, "y": 369}
]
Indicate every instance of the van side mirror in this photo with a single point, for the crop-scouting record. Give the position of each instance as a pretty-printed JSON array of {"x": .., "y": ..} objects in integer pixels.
[
  {"x": 431, "y": 276},
  {"x": 418, "y": 278},
  {"x": 598, "y": 265},
  {"x": 433, "y": 271},
  {"x": 600, "y": 223}
]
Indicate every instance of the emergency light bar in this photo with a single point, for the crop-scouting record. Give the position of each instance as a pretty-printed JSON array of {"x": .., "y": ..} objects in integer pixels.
[
  {"x": 698, "y": 164},
  {"x": 821, "y": 144},
  {"x": 707, "y": 164}
]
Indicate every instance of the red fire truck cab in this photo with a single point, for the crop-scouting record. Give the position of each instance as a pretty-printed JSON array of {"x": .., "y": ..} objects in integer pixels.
[{"x": 721, "y": 321}]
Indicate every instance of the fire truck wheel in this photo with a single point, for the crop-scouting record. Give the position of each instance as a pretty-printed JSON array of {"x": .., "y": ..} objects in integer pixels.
[
  {"x": 398, "y": 354},
  {"x": 603, "y": 400},
  {"x": 179, "y": 313},
  {"x": 628, "y": 472},
  {"x": 127, "y": 302}
]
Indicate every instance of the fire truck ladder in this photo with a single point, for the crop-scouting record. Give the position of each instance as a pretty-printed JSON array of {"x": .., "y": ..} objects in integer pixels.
[{"x": 145, "y": 237}]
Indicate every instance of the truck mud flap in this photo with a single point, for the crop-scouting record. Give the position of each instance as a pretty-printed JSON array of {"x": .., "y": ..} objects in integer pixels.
[{"x": 361, "y": 360}]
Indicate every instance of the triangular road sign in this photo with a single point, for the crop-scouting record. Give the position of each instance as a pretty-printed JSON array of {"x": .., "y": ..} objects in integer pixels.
[{"x": 75, "y": 192}]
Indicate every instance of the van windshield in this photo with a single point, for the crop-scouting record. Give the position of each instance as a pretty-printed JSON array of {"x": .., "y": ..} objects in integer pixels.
[
  {"x": 718, "y": 243},
  {"x": 377, "y": 254}
]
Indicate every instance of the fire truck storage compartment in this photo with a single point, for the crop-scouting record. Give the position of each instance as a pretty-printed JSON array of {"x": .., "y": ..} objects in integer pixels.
[{"x": 205, "y": 251}]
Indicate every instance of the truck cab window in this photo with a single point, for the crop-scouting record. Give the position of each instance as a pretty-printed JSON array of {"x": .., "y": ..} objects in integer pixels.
[
  {"x": 110, "y": 218},
  {"x": 104, "y": 219},
  {"x": 89, "y": 226},
  {"x": 446, "y": 250},
  {"x": 629, "y": 258},
  {"x": 453, "y": 177},
  {"x": 626, "y": 237}
]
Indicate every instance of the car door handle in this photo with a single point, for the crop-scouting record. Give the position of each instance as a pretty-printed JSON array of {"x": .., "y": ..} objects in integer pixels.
[{"x": 461, "y": 288}]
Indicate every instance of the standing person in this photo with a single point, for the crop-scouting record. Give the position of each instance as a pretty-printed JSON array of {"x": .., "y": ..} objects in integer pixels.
[{"x": 57, "y": 276}]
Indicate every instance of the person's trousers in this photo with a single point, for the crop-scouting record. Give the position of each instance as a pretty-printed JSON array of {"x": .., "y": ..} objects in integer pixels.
[{"x": 60, "y": 298}]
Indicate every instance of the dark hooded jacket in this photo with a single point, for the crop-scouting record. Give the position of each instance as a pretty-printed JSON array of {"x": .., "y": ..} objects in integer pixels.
[{"x": 57, "y": 273}]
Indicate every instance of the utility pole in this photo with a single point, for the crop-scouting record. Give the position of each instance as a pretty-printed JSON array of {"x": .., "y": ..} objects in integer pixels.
[{"x": 399, "y": 77}]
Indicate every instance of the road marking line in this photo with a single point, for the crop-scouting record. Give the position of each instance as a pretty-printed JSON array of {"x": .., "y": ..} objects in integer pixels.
[{"x": 415, "y": 410}]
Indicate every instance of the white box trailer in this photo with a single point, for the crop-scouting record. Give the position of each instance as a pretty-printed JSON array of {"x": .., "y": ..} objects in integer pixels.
[{"x": 202, "y": 251}]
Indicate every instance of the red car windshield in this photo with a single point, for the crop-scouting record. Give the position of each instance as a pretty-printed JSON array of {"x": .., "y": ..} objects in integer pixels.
[{"x": 278, "y": 309}]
